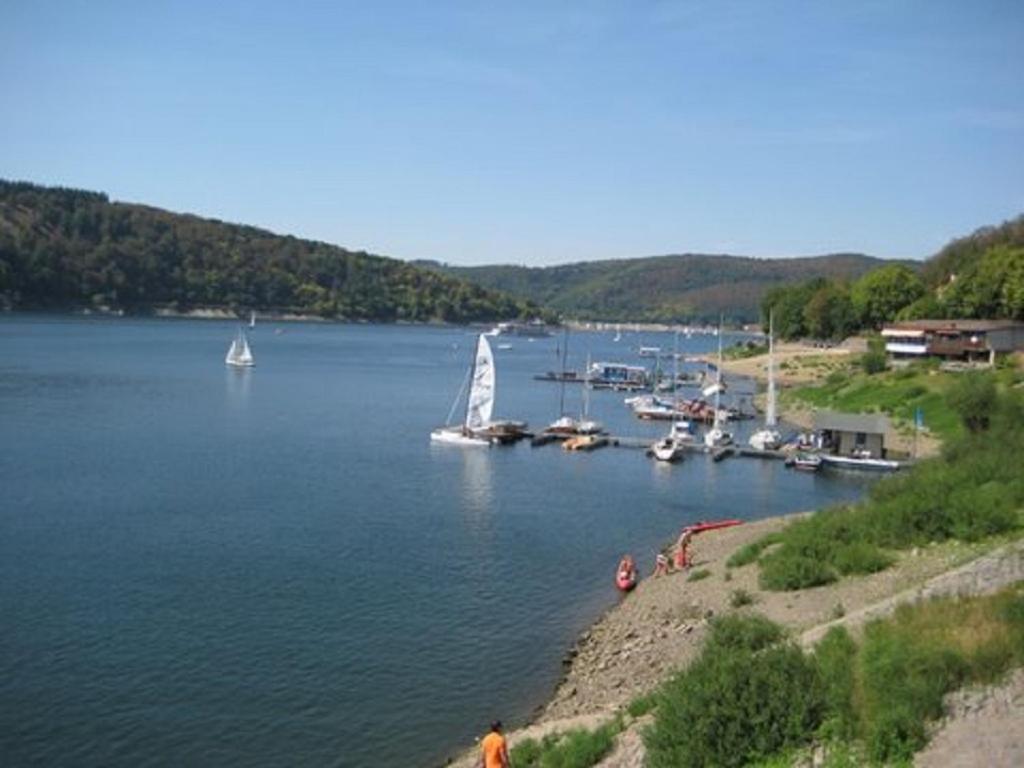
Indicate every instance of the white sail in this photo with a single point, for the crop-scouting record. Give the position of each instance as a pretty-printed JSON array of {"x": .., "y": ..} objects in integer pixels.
[
  {"x": 239, "y": 353},
  {"x": 481, "y": 391}
]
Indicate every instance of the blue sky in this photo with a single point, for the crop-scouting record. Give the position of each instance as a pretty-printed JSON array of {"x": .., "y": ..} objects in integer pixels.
[{"x": 532, "y": 133}]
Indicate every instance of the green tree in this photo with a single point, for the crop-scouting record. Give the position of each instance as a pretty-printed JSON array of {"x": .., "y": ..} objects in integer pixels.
[
  {"x": 829, "y": 313},
  {"x": 991, "y": 286},
  {"x": 882, "y": 293},
  {"x": 974, "y": 398}
]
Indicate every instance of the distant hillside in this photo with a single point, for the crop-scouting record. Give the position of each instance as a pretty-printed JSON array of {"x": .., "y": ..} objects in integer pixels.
[
  {"x": 66, "y": 248},
  {"x": 661, "y": 288}
]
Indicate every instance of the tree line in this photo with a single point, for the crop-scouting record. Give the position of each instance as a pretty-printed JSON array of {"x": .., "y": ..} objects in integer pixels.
[
  {"x": 977, "y": 277},
  {"x": 68, "y": 248}
]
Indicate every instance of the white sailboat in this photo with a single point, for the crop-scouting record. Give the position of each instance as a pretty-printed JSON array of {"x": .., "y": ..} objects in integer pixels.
[
  {"x": 670, "y": 447},
  {"x": 769, "y": 438},
  {"x": 586, "y": 425},
  {"x": 479, "y": 403},
  {"x": 716, "y": 436},
  {"x": 239, "y": 354},
  {"x": 564, "y": 425},
  {"x": 252, "y": 319}
]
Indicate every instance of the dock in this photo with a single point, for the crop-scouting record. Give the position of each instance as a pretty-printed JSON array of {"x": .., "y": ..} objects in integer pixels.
[{"x": 718, "y": 454}]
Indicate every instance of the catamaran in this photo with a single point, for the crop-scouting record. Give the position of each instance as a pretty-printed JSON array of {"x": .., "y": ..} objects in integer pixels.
[
  {"x": 768, "y": 438},
  {"x": 716, "y": 436},
  {"x": 479, "y": 403},
  {"x": 239, "y": 354}
]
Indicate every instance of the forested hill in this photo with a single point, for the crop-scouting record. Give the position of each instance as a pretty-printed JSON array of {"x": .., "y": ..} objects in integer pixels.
[
  {"x": 66, "y": 248},
  {"x": 967, "y": 254},
  {"x": 662, "y": 288}
]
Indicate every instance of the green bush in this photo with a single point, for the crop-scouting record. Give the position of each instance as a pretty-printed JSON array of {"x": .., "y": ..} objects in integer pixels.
[
  {"x": 731, "y": 708},
  {"x": 748, "y": 553},
  {"x": 740, "y": 598},
  {"x": 835, "y": 658},
  {"x": 577, "y": 748},
  {"x": 699, "y": 574},
  {"x": 641, "y": 705},
  {"x": 785, "y": 572},
  {"x": 742, "y": 633},
  {"x": 904, "y": 680}
]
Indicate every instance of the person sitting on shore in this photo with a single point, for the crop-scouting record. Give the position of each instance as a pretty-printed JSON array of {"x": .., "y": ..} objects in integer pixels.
[
  {"x": 626, "y": 569},
  {"x": 661, "y": 565},
  {"x": 494, "y": 748}
]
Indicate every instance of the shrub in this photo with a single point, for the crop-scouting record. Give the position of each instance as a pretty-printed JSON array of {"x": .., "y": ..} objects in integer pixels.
[
  {"x": 699, "y": 574},
  {"x": 784, "y": 572},
  {"x": 748, "y": 553},
  {"x": 577, "y": 748},
  {"x": 834, "y": 658},
  {"x": 746, "y": 633},
  {"x": 641, "y": 705},
  {"x": 973, "y": 397},
  {"x": 740, "y": 598},
  {"x": 904, "y": 680},
  {"x": 733, "y": 708}
]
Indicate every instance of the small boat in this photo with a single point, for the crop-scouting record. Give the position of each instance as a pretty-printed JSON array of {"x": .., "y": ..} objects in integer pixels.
[
  {"x": 585, "y": 443},
  {"x": 667, "y": 449},
  {"x": 717, "y": 437},
  {"x": 805, "y": 462},
  {"x": 504, "y": 347},
  {"x": 768, "y": 438},
  {"x": 650, "y": 351},
  {"x": 252, "y": 319},
  {"x": 670, "y": 447},
  {"x": 858, "y": 462},
  {"x": 239, "y": 355},
  {"x": 711, "y": 525},
  {"x": 479, "y": 403},
  {"x": 625, "y": 581}
]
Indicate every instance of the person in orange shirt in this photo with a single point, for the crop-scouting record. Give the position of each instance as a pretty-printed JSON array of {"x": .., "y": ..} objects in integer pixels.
[{"x": 493, "y": 749}]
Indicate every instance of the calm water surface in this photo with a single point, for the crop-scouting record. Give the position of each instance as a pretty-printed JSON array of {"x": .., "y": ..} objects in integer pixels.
[{"x": 202, "y": 566}]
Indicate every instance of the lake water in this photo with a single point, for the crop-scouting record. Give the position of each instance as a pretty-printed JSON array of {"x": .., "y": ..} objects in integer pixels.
[{"x": 204, "y": 566}]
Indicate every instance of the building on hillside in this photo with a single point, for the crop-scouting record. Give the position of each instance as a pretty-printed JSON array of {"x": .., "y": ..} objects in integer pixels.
[
  {"x": 860, "y": 435},
  {"x": 972, "y": 341}
]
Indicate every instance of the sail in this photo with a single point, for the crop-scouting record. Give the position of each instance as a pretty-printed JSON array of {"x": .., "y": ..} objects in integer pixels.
[
  {"x": 239, "y": 352},
  {"x": 769, "y": 417},
  {"x": 245, "y": 354},
  {"x": 481, "y": 391}
]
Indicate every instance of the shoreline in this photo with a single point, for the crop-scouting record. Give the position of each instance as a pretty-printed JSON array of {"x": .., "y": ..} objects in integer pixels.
[{"x": 637, "y": 644}]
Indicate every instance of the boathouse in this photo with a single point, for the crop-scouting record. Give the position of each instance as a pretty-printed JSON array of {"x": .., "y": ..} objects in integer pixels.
[
  {"x": 972, "y": 341},
  {"x": 861, "y": 435}
]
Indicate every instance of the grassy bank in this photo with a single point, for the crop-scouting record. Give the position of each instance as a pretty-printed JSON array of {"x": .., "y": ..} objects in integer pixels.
[
  {"x": 753, "y": 698},
  {"x": 972, "y": 491}
]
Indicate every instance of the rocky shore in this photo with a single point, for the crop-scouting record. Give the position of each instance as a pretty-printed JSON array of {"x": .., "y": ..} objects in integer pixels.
[{"x": 659, "y": 626}]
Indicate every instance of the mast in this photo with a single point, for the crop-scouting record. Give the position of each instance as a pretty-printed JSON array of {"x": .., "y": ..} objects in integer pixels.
[
  {"x": 718, "y": 374},
  {"x": 769, "y": 419},
  {"x": 586, "y": 389},
  {"x": 561, "y": 373},
  {"x": 472, "y": 381},
  {"x": 675, "y": 380}
]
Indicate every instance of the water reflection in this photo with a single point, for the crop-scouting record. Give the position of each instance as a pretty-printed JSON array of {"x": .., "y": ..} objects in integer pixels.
[
  {"x": 237, "y": 382},
  {"x": 477, "y": 486}
]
